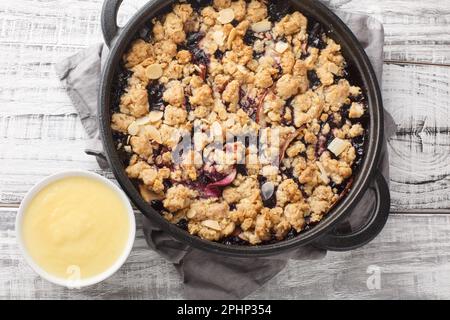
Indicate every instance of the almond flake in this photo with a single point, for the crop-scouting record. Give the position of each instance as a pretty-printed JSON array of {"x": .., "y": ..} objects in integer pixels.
[
  {"x": 226, "y": 16},
  {"x": 281, "y": 46},
  {"x": 219, "y": 37},
  {"x": 241, "y": 69},
  {"x": 231, "y": 38},
  {"x": 267, "y": 190},
  {"x": 212, "y": 224},
  {"x": 191, "y": 213},
  {"x": 127, "y": 149},
  {"x": 337, "y": 146},
  {"x": 133, "y": 128},
  {"x": 154, "y": 71},
  {"x": 155, "y": 116},
  {"x": 262, "y": 26},
  {"x": 153, "y": 134},
  {"x": 197, "y": 68},
  {"x": 143, "y": 121},
  {"x": 323, "y": 173}
]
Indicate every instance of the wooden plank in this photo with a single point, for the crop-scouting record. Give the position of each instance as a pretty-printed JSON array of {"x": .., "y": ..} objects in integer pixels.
[
  {"x": 34, "y": 145},
  {"x": 412, "y": 255},
  {"x": 418, "y": 99},
  {"x": 35, "y": 34},
  {"x": 145, "y": 275},
  {"x": 416, "y": 31}
]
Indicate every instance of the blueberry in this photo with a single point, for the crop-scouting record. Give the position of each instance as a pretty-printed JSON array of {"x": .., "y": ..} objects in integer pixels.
[
  {"x": 358, "y": 144},
  {"x": 119, "y": 85},
  {"x": 146, "y": 33},
  {"x": 247, "y": 104},
  {"x": 287, "y": 107},
  {"x": 242, "y": 169},
  {"x": 340, "y": 187},
  {"x": 249, "y": 38},
  {"x": 120, "y": 138},
  {"x": 203, "y": 180},
  {"x": 167, "y": 184},
  {"x": 291, "y": 234},
  {"x": 155, "y": 92},
  {"x": 214, "y": 176},
  {"x": 157, "y": 205},
  {"x": 314, "y": 81},
  {"x": 193, "y": 38},
  {"x": 187, "y": 105},
  {"x": 304, "y": 55},
  {"x": 334, "y": 123},
  {"x": 200, "y": 56},
  {"x": 183, "y": 224},
  {"x": 234, "y": 240},
  {"x": 277, "y": 9},
  {"x": 271, "y": 202},
  {"x": 315, "y": 35},
  {"x": 197, "y": 4},
  {"x": 262, "y": 179},
  {"x": 257, "y": 55},
  {"x": 123, "y": 76},
  {"x": 339, "y": 78},
  {"x": 344, "y": 113},
  {"x": 219, "y": 54},
  {"x": 359, "y": 98}
]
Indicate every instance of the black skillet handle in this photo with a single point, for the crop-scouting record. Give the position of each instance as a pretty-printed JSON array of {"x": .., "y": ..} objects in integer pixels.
[
  {"x": 378, "y": 217},
  {"x": 109, "y": 20}
]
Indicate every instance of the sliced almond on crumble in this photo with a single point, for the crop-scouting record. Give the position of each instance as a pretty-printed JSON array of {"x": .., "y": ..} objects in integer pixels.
[
  {"x": 226, "y": 16},
  {"x": 323, "y": 173},
  {"x": 231, "y": 38},
  {"x": 127, "y": 149},
  {"x": 191, "y": 214},
  {"x": 243, "y": 236},
  {"x": 261, "y": 26},
  {"x": 281, "y": 46},
  {"x": 197, "y": 68},
  {"x": 143, "y": 121},
  {"x": 133, "y": 129},
  {"x": 219, "y": 37},
  {"x": 154, "y": 71},
  {"x": 153, "y": 134},
  {"x": 337, "y": 146},
  {"x": 242, "y": 69},
  {"x": 155, "y": 116},
  {"x": 212, "y": 224},
  {"x": 267, "y": 190}
]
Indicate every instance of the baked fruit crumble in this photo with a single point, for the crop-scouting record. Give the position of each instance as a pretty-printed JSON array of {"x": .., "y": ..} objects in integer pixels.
[{"x": 238, "y": 120}]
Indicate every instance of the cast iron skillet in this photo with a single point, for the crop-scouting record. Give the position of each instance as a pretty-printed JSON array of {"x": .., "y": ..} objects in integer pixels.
[{"x": 324, "y": 234}]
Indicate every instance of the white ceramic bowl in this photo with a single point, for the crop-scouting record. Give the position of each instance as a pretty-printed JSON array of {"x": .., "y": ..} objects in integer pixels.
[{"x": 82, "y": 282}]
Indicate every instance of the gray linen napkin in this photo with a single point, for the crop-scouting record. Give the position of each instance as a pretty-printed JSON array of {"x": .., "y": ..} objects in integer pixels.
[{"x": 206, "y": 275}]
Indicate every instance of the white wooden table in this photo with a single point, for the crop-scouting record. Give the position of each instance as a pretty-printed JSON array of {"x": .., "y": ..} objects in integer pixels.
[{"x": 41, "y": 133}]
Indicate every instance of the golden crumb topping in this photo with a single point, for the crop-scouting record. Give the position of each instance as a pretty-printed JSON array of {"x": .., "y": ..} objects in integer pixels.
[{"x": 240, "y": 121}]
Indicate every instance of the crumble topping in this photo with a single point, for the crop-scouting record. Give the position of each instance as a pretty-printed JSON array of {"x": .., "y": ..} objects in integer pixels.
[{"x": 266, "y": 76}]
